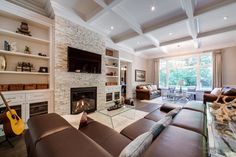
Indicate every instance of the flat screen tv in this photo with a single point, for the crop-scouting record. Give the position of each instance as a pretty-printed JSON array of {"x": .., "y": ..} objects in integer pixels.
[{"x": 83, "y": 61}]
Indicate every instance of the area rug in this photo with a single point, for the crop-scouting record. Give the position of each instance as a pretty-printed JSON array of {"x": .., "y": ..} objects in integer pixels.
[
  {"x": 160, "y": 100},
  {"x": 119, "y": 122}
]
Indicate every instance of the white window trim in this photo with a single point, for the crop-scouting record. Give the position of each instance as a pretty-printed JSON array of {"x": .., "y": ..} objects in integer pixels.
[{"x": 198, "y": 68}]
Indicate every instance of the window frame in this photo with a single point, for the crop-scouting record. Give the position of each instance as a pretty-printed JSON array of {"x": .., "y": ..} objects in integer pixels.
[{"x": 198, "y": 67}]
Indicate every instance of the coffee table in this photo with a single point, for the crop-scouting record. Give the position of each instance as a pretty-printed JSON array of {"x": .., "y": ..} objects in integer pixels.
[
  {"x": 120, "y": 111},
  {"x": 217, "y": 145}
]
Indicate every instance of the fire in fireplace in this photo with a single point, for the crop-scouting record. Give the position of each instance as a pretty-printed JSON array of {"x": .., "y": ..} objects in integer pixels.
[{"x": 83, "y": 99}]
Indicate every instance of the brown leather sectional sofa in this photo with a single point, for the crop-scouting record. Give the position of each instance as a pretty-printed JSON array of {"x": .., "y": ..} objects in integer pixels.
[
  {"x": 51, "y": 136},
  {"x": 226, "y": 91},
  {"x": 147, "y": 92}
]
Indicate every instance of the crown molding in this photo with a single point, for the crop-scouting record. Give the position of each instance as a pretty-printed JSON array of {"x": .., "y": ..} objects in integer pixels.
[{"x": 11, "y": 8}]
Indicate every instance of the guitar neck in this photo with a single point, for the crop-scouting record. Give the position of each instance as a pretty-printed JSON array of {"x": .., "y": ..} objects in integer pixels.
[{"x": 5, "y": 102}]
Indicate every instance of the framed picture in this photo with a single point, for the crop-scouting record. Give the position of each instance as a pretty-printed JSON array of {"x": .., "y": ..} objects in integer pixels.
[{"x": 140, "y": 75}]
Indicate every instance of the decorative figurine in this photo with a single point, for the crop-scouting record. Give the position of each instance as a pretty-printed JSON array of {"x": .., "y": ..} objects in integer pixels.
[
  {"x": 24, "y": 29},
  {"x": 13, "y": 46},
  {"x": 27, "y": 50},
  {"x": 7, "y": 46}
]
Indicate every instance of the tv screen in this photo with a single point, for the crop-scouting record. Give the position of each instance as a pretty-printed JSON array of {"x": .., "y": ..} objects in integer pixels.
[{"x": 83, "y": 61}]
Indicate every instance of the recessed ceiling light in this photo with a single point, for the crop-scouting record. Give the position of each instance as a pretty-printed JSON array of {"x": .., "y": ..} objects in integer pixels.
[
  {"x": 153, "y": 8},
  {"x": 170, "y": 33},
  {"x": 112, "y": 27},
  {"x": 225, "y": 17}
]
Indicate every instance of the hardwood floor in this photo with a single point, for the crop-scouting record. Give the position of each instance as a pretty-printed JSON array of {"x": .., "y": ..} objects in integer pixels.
[{"x": 19, "y": 149}]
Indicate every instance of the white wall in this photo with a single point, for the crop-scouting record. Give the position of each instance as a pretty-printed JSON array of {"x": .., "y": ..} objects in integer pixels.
[
  {"x": 138, "y": 63},
  {"x": 229, "y": 66},
  {"x": 150, "y": 71}
]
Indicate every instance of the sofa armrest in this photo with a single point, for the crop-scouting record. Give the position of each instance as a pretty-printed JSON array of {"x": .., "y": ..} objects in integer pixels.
[
  {"x": 207, "y": 92},
  {"x": 142, "y": 91}
]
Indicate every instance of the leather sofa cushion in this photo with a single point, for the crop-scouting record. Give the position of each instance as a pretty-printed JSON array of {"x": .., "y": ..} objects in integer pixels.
[
  {"x": 31, "y": 152},
  {"x": 177, "y": 142},
  {"x": 167, "y": 107},
  {"x": 69, "y": 142},
  {"x": 228, "y": 91},
  {"x": 137, "y": 128},
  {"x": 39, "y": 129},
  {"x": 191, "y": 120},
  {"x": 155, "y": 115},
  {"x": 150, "y": 107},
  {"x": 110, "y": 140},
  {"x": 196, "y": 106}
]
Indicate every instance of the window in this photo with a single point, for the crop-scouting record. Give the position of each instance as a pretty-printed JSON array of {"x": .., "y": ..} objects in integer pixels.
[{"x": 193, "y": 70}]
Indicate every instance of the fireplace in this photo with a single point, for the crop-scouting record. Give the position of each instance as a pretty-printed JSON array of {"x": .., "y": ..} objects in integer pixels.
[{"x": 83, "y": 99}]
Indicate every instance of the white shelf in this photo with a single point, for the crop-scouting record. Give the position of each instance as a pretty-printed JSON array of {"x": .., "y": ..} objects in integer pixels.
[
  {"x": 108, "y": 102},
  {"x": 110, "y": 57},
  {"x": 23, "y": 73},
  {"x": 112, "y": 76},
  {"x": 27, "y": 91},
  {"x": 113, "y": 86},
  {"x": 22, "y": 54},
  {"x": 112, "y": 67},
  {"x": 24, "y": 37}
]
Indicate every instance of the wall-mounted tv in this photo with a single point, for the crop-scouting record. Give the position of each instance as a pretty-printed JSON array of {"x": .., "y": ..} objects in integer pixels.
[{"x": 83, "y": 61}]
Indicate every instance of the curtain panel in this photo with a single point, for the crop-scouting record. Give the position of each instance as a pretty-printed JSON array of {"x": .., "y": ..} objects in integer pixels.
[
  {"x": 156, "y": 71},
  {"x": 217, "y": 69}
]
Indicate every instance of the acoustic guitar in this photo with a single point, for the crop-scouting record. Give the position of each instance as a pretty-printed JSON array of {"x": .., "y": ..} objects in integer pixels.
[{"x": 13, "y": 125}]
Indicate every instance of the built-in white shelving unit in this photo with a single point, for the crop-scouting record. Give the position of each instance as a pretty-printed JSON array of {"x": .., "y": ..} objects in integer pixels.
[
  {"x": 113, "y": 88},
  {"x": 38, "y": 42},
  {"x": 41, "y": 29}
]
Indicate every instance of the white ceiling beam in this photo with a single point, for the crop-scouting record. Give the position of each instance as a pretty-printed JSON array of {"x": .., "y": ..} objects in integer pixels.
[
  {"x": 30, "y": 6},
  {"x": 192, "y": 23},
  {"x": 151, "y": 38},
  {"x": 130, "y": 20},
  {"x": 179, "y": 40},
  {"x": 218, "y": 5},
  {"x": 196, "y": 43},
  {"x": 217, "y": 31},
  {"x": 188, "y": 6},
  {"x": 201, "y": 35},
  {"x": 105, "y": 9},
  {"x": 145, "y": 48}
]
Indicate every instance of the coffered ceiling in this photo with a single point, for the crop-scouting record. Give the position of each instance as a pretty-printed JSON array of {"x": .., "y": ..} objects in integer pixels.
[{"x": 159, "y": 27}]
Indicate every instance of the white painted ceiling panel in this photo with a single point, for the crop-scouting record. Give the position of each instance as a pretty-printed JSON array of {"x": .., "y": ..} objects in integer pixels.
[
  {"x": 205, "y": 3},
  {"x": 180, "y": 47},
  {"x": 215, "y": 19},
  {"x": 171, "y": 32},
  {"x": 140, "y": 9},
  {"x": 219, "y": 39},
  {"x": 108, "y": 20},
  {"x": 137, "y": 42}
]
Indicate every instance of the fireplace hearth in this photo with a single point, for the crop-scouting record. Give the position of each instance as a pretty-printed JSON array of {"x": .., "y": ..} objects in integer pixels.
[{"x": 83, "y": 99}]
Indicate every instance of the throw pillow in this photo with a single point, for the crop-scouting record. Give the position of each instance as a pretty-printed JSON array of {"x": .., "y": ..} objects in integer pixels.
[
  {"x": 173, "y": 112},
  {"x": 228, "y": 91},
  {"x": 78, "y": 120},
  {"x": 145, "y": 88},
  {"x": 138, "y": 146},
  {"x": 149, "y": 87},
  {"x": 154, "y": 87},
  {"x": 157, "y": 128},
  {"x": 216, "y": 91}
]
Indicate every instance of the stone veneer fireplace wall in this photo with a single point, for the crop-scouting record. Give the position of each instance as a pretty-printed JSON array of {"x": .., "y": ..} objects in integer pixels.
[{"x": 67, "y": 34}]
